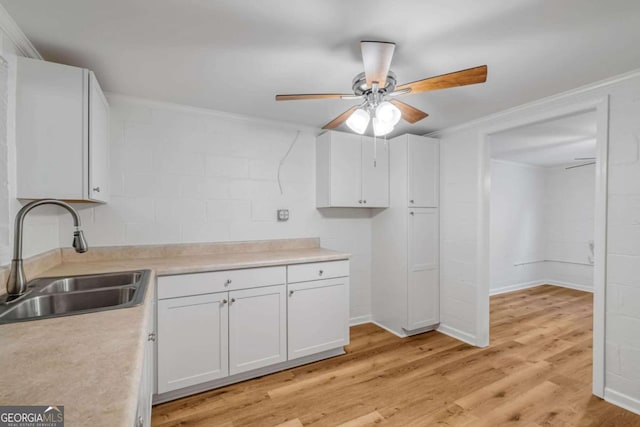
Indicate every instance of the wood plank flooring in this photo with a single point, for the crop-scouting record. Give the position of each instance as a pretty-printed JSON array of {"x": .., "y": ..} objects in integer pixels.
[{"x": 536, "y": 372}]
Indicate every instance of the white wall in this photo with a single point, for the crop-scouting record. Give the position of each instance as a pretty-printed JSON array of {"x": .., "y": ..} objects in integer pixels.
[
  {"x": 41, "y": 227},
  {"x": 543, "y": 217},
  {"x": 462, "y": 185},
  {"x": 180, "y": 175},
  {"x": 569, "y": 223},
  {"x": 517, "y": 224}
]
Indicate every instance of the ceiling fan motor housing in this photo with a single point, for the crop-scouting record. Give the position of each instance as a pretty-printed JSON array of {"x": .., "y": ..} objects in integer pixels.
[{"x": 360, "y": 87}]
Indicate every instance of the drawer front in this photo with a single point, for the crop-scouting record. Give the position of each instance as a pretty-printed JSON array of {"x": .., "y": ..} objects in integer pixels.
[
  {"x": 317, "y": 270},
  {"x": 219, "y": 281}
]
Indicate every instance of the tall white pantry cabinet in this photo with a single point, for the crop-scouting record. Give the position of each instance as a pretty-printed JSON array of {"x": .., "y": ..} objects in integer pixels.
[{"x": 405, "y": 275}]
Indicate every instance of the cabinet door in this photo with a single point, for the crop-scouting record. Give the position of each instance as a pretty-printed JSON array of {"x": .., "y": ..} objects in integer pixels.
[
  {"x": 98, "y": 142},
  {"x": 346, "y": 170},
  {"x": 192, "y": 340},
  {"x": 423, "y": 275},
  {"x": 51, "y": 124},
  {"x": 257, "y": 328},
  {"x": 424, "y": 172},
  {"x": 318, "y": 316},
  {"x": 145, "y": 392},
  {"x": 375, "y": 172}
]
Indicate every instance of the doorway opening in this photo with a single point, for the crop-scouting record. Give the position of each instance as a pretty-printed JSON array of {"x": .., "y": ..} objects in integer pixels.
[{"x": 543, "y": 238}]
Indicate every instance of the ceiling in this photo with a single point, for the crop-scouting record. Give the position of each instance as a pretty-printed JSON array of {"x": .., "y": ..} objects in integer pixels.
[
  {"x": 235, "y": 55},
  {"x": 550, "y": 143}
]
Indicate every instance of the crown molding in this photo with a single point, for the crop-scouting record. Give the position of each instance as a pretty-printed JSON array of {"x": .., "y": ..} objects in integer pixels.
[
  {"x": 15, "y": 34},
  {"x": 151, "y": 103},
  {"x": 539, "y": 102}
]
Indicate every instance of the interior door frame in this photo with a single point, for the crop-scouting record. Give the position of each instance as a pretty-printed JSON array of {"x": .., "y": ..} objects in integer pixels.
[{"x": 601, "y": 107}]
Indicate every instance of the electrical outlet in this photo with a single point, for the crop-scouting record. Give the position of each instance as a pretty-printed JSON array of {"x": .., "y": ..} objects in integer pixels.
[{"x": 283, "y": 214}]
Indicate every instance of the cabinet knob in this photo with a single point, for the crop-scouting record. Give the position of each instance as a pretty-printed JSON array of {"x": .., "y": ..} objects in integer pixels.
[
  {"x": 411, "y": 201},
  {"x": 232, "y": 300},
  {"x": 96, "y": 189},
  {"x": 140, "y": 421},
  {"x": 411, "y": 213},
  {"x": 228, "y": 282},
  {"x": 364, "y": 201},
  {"x": 360, "y": 201},
  {"x": 224, "y": 301},
  {"x": 152, "y": 337},
  {"x": 290, "y": 293},
  {"x": 320, "y": 272}
]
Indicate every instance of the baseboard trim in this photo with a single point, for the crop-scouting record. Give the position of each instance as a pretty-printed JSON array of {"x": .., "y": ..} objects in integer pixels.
[
  {"x": 396, "y": 333},
  {"x": 187, "y": 391},
  {"x": 527, "y": 285},
  {"x": 458, "y": 334},
  {"x": 622, "y": 400},
  {"x": 360, "y": 320},
  {"x": 516, "y": 287},
  {"x": 570, "y": 285}
]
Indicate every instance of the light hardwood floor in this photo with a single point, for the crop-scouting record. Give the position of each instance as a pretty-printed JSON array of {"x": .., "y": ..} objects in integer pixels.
[{"x": 536, "y": 372}]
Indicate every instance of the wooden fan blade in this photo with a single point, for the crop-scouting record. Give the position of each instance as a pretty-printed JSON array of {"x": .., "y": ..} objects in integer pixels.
[
  {"x": 340, "y": 119},
  {"x": 409, "y": 113},
  {"x": 376, "y": 57},
  {"x": 458, "y": 78},
  {"x": 297, "y": 97}
]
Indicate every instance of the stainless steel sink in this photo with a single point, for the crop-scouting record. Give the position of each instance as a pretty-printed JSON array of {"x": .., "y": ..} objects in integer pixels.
[
  {"x": 85, "y": 283},
  {"x": 64, "y": 296}
]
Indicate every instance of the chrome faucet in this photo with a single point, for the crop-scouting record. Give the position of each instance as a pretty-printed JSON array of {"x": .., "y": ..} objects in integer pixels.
[{"x": 17, "y": 282}]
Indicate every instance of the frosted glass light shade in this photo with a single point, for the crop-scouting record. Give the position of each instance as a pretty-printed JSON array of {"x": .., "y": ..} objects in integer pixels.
[
  {"x": 388, "y": 113},
  {"x": 358, "y": 121},
  {"x": 381, "y": 128}
]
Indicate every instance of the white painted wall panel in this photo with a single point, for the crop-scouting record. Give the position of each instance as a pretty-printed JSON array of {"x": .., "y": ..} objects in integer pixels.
[
  {"x": 517, "y": 224},
  {"x": 461, "y": 189},
  {"x": 181, "y": 175},
  {"x": 41, "y": 227}
]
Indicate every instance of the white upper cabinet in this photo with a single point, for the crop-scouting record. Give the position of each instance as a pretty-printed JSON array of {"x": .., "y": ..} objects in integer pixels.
[
  {"x": 351, "y": 171},
  {"x": 424, "y": 172},
  {"x": 375, "y": 172},
  {"x": 62, "y": 133}
]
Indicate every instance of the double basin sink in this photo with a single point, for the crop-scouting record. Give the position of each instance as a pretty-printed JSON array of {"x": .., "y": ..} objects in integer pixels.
[{"x": 64, "y": 296}]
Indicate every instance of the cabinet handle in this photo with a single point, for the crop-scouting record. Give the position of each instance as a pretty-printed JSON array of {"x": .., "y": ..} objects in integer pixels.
[
  {"x": 140, "y": 421},
  {"x": 96, "y": 189},
  {"x": 320, "y": 273},
  {"x": 224, "y": 301},
  {"x": 152, "y": 337},
  {"x": 290, "y": 293},
  {"x": 364, "y": 201},
  {"x": 360, "y": 201},
  {"x": 228, "y": 282},
  {"x": 411, "y": 213},
  {"x": 232, "y": 300},
  {"x": 411, "y": 201}
]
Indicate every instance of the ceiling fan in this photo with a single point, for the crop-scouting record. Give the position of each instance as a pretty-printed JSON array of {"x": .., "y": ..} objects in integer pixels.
[{"x": 377, "y": 88}]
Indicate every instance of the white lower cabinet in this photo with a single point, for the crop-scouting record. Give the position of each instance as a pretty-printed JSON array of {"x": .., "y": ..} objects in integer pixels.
[
  {"x": 257, "y": 328},
  {"x": 318, "y": 316},
  {"x": 145, "y": 391},
  {"x": 192, "y": 340}
]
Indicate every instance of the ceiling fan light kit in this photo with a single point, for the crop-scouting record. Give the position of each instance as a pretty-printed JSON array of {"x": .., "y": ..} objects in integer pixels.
[
  {"x": 358, "y": 121},
  {"x": 377, "y": 87}
]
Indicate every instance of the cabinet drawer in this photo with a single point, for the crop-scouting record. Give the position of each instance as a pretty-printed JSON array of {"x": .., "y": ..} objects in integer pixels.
[
  {"x": 317, "y": 270},
  {"x": 219, "y": 281}
]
